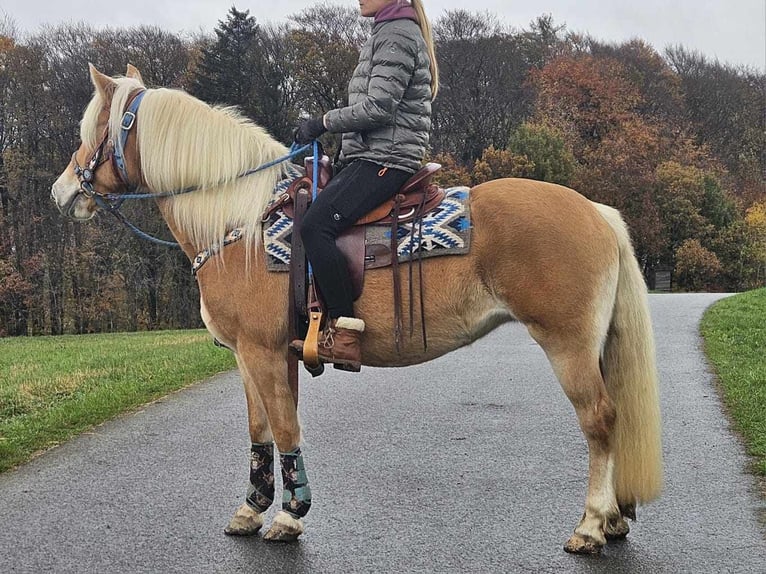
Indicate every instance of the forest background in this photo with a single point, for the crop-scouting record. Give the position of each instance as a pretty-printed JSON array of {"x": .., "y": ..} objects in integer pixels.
[{"x": 674, "y": 140}]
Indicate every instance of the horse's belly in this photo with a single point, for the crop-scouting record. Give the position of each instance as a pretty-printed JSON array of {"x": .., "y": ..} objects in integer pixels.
[{"x": 443, "y": 336}]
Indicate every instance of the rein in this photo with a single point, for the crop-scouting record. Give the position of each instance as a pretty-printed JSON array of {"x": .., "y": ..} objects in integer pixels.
[{"x": 112, "y": 202}]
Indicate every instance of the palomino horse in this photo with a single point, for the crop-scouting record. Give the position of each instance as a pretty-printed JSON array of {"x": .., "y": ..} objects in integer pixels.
[{"x": 540, "y": 254}]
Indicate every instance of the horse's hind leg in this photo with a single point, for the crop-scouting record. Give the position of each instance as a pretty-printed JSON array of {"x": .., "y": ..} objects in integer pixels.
[
  {"x": 577, "y": 368},
  {"x": 248, "y": 519}
]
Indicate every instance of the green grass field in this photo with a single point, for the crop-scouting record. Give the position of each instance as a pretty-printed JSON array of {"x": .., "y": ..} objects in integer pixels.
[
  {"x": 52, "y": 388},
  {"x": 735, "y": 341}
]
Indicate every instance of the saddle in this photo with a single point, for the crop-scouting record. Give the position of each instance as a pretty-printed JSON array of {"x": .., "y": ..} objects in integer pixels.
[
  {"x": 410, "y": 198},
  {"x": 417, "y": 197}
]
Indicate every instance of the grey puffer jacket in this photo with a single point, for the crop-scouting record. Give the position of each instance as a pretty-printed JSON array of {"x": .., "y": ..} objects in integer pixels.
[{"x": 388, "y": 117}]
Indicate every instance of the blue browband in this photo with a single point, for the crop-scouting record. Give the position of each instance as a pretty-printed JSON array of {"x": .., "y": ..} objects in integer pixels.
[{"x": 126, "y": 124}]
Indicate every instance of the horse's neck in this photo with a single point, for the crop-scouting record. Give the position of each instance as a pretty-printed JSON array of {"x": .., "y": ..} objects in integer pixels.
[{"x": 189, "y": 249}]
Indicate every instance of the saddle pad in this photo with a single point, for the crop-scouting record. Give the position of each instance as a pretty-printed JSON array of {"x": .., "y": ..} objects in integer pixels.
[{"x": 445, "y": 231}]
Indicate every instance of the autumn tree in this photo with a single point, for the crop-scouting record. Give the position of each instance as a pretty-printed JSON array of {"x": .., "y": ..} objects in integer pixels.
[
  {"x": 755, "y": 221},
  {"x": 697, "y": 268},
  {"x": 728, "y": 108},
  {"x": 499, "y": 163},
  {"x": 659, "y": 87},
  {"x": 585, "y": 98},
  {"x": 453, "y": 173}
]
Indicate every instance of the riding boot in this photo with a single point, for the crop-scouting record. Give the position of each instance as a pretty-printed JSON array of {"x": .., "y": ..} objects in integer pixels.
[{"x": 339, "y": 343}]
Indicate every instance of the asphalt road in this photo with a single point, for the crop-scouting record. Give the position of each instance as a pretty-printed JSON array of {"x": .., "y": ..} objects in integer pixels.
[{"x": 472, "y": 463}]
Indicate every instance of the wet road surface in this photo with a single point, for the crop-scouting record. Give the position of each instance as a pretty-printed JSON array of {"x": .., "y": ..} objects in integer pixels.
[{"x": 471, "y": 463}]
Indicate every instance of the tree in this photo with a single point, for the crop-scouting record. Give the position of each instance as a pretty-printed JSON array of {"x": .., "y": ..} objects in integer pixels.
[
  {"x": 620, "y": 172},
  {"x": 482, "y": 74},
  {"x": 659, "y": 86},
  {"x": 453, "y": 173},
  {"x": 246, "y": 67},
  {"x": 755, "y": 220},
  {"x": 679, "y": 195},
  {"x": 499, "y": 163},
  {"x": 546, "y": 149},
  {"x": 225, "y": 74},
  {"x": 697, "y": 268},
  {"x": 542, "y": 42},
  {"x": 728, "y": 108},
  {"x": 585, "y": 97}
]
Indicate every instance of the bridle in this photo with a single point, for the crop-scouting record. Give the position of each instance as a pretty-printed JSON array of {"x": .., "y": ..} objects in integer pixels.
[
  {"x": 86, "y": 174},
  {"x": 112, "y": 151}
]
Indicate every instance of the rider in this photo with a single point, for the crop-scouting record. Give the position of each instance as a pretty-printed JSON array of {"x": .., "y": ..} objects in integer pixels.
[{"x": 385, "y": 133}]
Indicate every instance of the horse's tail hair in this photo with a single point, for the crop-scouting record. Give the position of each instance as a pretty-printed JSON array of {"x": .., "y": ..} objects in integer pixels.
[{"x": 630, "y": 373}]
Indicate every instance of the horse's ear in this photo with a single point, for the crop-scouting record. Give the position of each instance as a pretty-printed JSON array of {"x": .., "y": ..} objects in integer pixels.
[
  {"x": 103, "y": 83},
  {"x": 134, "y": 73}
]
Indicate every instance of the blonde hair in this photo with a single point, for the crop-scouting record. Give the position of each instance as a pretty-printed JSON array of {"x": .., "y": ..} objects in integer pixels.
[
  {"x": 425, "y": 28},
  {"x": 177, "y": 152}
]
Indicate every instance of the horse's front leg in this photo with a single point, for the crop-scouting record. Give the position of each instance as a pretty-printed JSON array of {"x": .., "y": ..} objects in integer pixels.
[
  {"x": 266, "y": 370},
  {"x": 248, "y": 519}
]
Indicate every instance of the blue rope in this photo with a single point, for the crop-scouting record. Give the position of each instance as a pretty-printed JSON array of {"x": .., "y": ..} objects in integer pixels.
[
  {"x": 121, "y": 218},
  {"x": 147, "y": 237},
  {"x": 112, "y": 202},
  {"x": 295, "y": 150}
]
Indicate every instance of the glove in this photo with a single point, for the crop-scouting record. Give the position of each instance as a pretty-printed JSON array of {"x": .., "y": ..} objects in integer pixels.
[{"x": 309, "y": 130}]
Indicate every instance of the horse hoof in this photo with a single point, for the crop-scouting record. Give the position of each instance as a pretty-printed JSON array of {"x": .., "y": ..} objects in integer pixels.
[
  {"x": 246, "y": 522},
  {"x": 578, "y": 544},
  {"x": 285, "y": 528},
  {"x": 628, "y": 510},
  {"x": 616, "y": 528}
]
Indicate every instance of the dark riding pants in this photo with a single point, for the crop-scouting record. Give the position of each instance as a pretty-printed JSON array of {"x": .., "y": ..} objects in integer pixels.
[{"x": 350, "y": 195}]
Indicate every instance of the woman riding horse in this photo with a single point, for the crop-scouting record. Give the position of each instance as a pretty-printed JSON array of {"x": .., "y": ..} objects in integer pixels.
[
  {"x": 541, "y": 254},
  {"x": 385, "y": 132}
]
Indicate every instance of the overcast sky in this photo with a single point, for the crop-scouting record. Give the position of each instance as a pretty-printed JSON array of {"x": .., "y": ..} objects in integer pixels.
[{"x": 733, "y": 31}]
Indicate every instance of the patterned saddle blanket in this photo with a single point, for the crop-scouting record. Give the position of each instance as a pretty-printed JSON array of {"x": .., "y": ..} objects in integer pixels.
[{"x": 446, "y": 230}]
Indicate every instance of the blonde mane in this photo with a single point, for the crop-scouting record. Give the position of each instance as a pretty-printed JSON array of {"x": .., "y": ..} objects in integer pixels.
[{"x": 184, "y": 143}]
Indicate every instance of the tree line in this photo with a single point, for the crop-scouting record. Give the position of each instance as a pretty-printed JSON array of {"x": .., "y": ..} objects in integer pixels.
[{"x": 674, "y": 140}]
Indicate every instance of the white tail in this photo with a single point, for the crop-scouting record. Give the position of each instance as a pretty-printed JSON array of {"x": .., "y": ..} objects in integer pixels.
[{"x": 630, "y": 373}]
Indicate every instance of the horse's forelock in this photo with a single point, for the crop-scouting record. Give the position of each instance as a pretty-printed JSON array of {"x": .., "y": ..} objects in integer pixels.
[
  {"x": 125, "y": 87},
  {"x": 90, "y": 132}
]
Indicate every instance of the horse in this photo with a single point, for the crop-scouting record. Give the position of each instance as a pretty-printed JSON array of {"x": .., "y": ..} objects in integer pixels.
[{"x": 540, "y": 254}]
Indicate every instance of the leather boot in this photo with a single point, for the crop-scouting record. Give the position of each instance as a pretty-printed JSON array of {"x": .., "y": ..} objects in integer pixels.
[{"x": 339, "y": 344}]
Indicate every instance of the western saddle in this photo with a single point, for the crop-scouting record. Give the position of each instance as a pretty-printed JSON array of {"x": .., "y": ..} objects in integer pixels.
[{"x": 418, "y": 196}]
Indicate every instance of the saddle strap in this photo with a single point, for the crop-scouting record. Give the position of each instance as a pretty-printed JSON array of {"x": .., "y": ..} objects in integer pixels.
[
  {"x": 397, "y": 287},
  {"x": 421, "y": 211},
  {"x": 395, "y": 273},
  {"x": 297, "y": 306}
]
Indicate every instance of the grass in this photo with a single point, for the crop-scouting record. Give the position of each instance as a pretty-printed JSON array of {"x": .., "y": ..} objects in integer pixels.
[
  {"x": 52, "y": 388},
  {"x": 735, "y": 340}
]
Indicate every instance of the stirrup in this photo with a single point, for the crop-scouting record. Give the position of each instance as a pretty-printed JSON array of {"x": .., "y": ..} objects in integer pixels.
[{"x": 310, "y": 349}]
